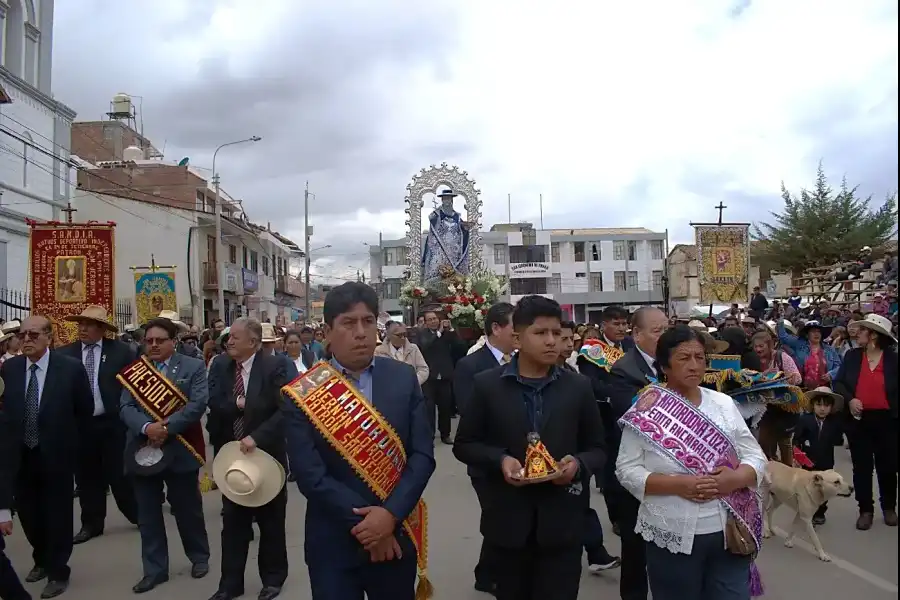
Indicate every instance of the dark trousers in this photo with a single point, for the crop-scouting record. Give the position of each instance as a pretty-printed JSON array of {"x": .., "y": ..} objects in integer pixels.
[
  {"x": 873, "y": 446},
  {"x": 593, "y": 536},
  {"x": 237, "y": 531},
  {"x": 709, "y": 572},
  {"x": 11, "y": 587},
  {"x": 44, "y": 504},
  {"x": 183, "y": 493},
  {"x": 536, "y": 573},
  {"x": 391, "y": 580},
  {"x": 484, "y": 571},
  {"x": 439, "y": 394},
  {"x": 612, "y": 489},
  {"x": 100, "y": 467},
  {"x": 633, "y": 579}
]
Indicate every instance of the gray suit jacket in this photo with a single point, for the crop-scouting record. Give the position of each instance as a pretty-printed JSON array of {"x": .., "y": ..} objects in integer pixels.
[{"x": 189, "y": 374}]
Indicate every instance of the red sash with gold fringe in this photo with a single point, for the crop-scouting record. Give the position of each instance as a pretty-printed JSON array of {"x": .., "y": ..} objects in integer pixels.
[{"x": 366, "y": 441}]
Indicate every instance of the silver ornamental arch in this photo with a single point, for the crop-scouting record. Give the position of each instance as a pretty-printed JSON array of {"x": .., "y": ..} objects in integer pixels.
[{"x": 428, "y": 181}]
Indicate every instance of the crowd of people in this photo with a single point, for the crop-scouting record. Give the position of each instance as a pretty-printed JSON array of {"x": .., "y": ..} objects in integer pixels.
[{"x": 584, "y": 392}]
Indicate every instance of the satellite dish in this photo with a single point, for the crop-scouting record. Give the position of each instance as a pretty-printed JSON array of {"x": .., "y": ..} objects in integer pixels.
[{"x": 184, "y": 161}]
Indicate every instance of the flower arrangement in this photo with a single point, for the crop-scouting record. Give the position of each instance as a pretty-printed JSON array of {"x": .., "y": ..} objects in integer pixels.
[{"x": 412, "y": 292}]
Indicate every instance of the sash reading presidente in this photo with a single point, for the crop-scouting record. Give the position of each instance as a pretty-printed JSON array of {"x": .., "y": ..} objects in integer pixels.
[
  {"x": 600, "y": 353},
  {"x": 160, "y": 399},
  {"x": 366, "y": 441}
]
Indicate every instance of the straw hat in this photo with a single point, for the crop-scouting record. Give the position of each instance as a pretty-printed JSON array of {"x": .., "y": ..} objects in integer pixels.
[
  {"x": 171, "y": 315},
  {"x": 713, "y": 345},
  {"x": 811, "y": 324},
  {"x": 94, "y": 314},
  {"x": 697, "y": 324},
  {"x": 877, "y": 323},
  {"x": 790, "y": 327},
  {"x": 252, "y": 479},
  {"x": 268, "y": 333},
  {"x": 2, "y": 386},
  {"x": 825, "y": 391},
  {"x": 11, "y": 326}
]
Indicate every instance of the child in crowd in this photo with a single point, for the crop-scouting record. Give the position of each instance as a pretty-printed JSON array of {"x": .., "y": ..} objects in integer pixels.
[{"x": 817, "y": 434}]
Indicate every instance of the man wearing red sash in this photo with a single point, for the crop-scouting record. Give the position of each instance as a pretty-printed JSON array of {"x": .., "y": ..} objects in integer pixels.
[{"x": 359, "y": 523}]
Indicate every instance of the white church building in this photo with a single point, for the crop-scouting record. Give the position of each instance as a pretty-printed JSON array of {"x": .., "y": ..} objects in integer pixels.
[{"x": 35, "y": 134}]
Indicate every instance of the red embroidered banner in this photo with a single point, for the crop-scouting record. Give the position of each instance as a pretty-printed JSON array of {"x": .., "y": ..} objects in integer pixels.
[{"x": 72, "y": 266}]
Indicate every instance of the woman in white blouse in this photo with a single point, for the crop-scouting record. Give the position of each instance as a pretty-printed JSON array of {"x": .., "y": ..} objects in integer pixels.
[
  {"x": 680, "y": 516},
  {"x": 293, "y": 346}
]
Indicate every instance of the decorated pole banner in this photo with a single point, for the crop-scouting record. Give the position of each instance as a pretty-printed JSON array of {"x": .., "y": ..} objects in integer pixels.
[
  {"x": 72, "y": 267},
  {"x": 723, "y": 254},
  {"x": 154, "y": 290}
]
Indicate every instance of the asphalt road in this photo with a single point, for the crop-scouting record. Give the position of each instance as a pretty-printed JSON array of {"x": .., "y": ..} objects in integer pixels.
[{"x": 864, "y": 566}]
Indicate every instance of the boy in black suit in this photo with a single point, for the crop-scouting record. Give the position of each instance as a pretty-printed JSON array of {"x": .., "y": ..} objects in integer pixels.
[{"x": 817, "y": 434}]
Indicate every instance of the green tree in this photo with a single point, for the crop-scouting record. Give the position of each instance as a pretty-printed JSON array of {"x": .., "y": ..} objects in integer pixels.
[{"x": 820, "y": 226}]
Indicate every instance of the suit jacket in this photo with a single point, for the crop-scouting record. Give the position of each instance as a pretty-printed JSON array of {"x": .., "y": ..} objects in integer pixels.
[
  {"x": 626, "y": 378},
  {"x": 114, "y": 356},
  {"x": 818, "y": 444},
  {"x": 331, "y": 486},
  {"x": 466, "y": 370},
  {"x": 441, "y": 353},
  {"x": 263, "y": 411},
  {"x": 10, "y": 449},
  {"x": 189, "y": 375},
  {"x": 66, "y": 407},
  {"x": 411, "y": 355},
  {"x": 848, "y": 377},
  {"x": 495, "y": 425}
]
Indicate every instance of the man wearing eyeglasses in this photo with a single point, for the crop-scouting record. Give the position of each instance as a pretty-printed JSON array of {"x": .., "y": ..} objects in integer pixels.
[
  {"x": 396, "y": 345},
  {"x": 55, "y": 386}
]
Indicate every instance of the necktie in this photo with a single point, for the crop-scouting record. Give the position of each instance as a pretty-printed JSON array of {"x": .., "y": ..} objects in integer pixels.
[
  {"x": 238, "y": 426},
  {"x": 162, "y": 368},
  {"x": 89, "y": 365},
  {"x": 31, "y": 409}
]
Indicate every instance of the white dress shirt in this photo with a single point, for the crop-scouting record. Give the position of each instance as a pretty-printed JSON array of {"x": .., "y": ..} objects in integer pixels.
[
  {"x": 301, "y": 368},
  {"x": 671, "y": 522},
  {"x": 651, "y": 362},
  {"x": 99, "y": 409},
  {"x": 245, "y": 372},
  {"x": 43, "y": 364}
]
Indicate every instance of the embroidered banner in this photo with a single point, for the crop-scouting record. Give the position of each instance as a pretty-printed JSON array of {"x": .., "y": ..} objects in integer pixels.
[
  {"x": 154, "y": 292},
  {"x": 366, "y": 441},
  {"x": 601, "y": 354},
  {"x": 160, "y": 399},
  {"x": 723, "y": 254},
  {"x": 72, "y": 267}
]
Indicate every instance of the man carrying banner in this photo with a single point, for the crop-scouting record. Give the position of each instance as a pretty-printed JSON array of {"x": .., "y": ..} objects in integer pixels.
[
  {"x": 362, "y": 469},
  {"x": 164, "y": 397}
]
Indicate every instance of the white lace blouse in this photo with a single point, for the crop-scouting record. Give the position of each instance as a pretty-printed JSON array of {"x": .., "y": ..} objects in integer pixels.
[{"x": 671, "y": 521}]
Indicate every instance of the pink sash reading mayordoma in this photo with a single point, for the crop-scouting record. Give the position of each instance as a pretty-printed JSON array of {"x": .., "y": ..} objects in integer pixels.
[{"x": 678, "y": 430}]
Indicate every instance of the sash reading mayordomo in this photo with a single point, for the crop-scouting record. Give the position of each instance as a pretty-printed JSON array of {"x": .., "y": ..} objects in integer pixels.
[{"x": 362, "y": 450}]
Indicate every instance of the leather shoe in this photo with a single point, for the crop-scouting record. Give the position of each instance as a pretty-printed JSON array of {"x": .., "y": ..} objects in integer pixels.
[
  {"x": 486, "y": 587},
  {"x": 148, "y": 583},
  {"x": 35, "y": 574},
  {"x": 270, "y": 592},
  {"x": 54, "y": 588},
  {"x": 864, "y": 522},
  {"x": 199, "y": 570},
  {"x": 220, "y": 595},
  {"x": 85, "y": 535},
  {"x": 890, "y": 518}
]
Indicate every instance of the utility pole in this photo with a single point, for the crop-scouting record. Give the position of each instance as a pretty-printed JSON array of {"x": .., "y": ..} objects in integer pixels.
[
  {"x": 220, "y": 251},
  {"x": 306, "y": 248}
]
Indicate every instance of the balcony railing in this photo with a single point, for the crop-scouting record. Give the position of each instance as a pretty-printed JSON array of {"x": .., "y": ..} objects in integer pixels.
[
  {"x": 210, "y": 276},
  {"x": 285, "y": 284}
]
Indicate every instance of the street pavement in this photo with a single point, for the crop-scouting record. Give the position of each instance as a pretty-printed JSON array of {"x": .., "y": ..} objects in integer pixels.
[{"x": 864, "y": 566}]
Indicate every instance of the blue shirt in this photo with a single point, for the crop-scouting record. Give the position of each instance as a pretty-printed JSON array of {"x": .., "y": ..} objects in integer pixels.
[
  {"x": 532, "y": 391},
  {"x": 363, "y": 384}
]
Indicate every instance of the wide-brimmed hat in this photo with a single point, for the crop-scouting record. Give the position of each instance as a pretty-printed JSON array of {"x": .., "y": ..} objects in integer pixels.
[
  {"x": 2, "y": 386},
  {"x": 713, "y": 345},
  {"x": 877, "y": 323},
  {"x": 144, "y": 459},
  {"x": 811, "y": 324},
  {"x": 94, "y": 314},
  {"x": 171, "y": 315},
  {"x": 804, "y": 304},
  {"x": 825, "y": 391},
  {"x": 11, "y": 326},
  {"x": 697, "y": 324},
  {"x": 268, "y": 333},
  {"x": 252, "y": 479},
  {"x": 748, "y": 320}
]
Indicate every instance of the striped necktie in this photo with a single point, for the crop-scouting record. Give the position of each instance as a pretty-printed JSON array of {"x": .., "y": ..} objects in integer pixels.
[{"x": 238, "y": 426}]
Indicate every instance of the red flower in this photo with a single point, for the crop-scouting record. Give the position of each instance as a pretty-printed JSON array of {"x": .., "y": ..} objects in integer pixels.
[
  {"x": 463, "y": 300},
  {"x": 484, "y": 311},
  {"x": 448, "y": 308}
]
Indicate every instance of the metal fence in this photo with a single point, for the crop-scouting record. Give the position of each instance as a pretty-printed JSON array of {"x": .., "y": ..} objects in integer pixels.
[{"x": 16, "y": 304}]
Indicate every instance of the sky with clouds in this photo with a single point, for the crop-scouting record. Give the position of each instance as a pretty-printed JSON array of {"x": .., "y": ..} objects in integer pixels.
[{"x": 617, "y": 113}]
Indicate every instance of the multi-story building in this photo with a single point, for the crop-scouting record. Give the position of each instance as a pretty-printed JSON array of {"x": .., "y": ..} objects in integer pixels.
[
  {"x": 34, "y": 133},
  {"x": 583, "y": 269}
]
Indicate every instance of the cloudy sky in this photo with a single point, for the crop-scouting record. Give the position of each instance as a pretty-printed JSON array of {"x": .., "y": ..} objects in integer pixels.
[{"x": 618, "y": 113}]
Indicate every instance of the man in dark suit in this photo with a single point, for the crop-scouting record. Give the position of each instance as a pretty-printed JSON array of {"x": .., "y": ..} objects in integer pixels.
[
  {"x": 245, "y": 392},
  {"x": 181, "y": 475},
  {"x": 100, "y": 455},
  {"x": 11, "y": 587},
  {"x": 628, "y": 375},
  {"x": 440, "y": 346},
  {"x": 49, "y": 402},
  {"x": 533, "y": 532},
  {"x": 355, "y": 543},
  {"x": 497, "y": 350}
]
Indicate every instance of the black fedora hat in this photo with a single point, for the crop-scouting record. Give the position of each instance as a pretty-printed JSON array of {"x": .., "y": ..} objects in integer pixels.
[
  {"x": 447, "y": 193},
  {"x": 143, "y": 459}
]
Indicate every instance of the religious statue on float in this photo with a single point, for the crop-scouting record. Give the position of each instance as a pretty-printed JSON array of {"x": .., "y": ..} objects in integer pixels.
[{"x": 447, "y": 242}]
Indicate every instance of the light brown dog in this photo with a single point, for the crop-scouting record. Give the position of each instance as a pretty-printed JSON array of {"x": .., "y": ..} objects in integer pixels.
[{"x": 804, "y": 492}]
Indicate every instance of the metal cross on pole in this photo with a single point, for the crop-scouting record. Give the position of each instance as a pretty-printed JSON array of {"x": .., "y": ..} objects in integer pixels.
[
  {"x": 721, "y": 207},
  {"x": 69, "y": 210},
  {"x": 153, "y": 268}
]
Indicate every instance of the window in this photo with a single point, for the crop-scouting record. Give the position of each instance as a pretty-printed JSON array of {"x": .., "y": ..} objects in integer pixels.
[
  {"x": 524, "y": 287},
  {"x": 529, "y": 237},
  {"x": 246, "y": 262},
  {"x": 201, "y": 201},
  {"x": 402, "y": 255},
  {"x": 265, "y": 263},
  {"x": 595, "y": 251},
  {"x": 619, "y": 250},
  {"x": 555, "y": 286},
  {"x": 657, "y": 281},
  {"x": 254, "y": 261},
  {"x": 232, "y": 254},
  {"x": 554, "y": 252},
  {"x": 499, "y": 254},
  {"x": 27, "y": 158},
  {"x": 632, "y": 280},
  {"x": 579, "y": 251},
  {"x": 211, "y": 248},
  {"x": 596, "y": 282},
  {"x": 620, "y": 281},
  {"x": 632, "y": 250},
  {"x": 390, "y": 257},
  {"x": 580, "y": 275},
  {"x": 526, "y": 254},
  {"x": 391, "y": 290},
  {"x": 656, "y": 249}
]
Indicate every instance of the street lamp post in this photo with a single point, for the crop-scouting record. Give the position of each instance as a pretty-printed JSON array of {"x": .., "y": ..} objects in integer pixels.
[{"x": 220, "y": 247}]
